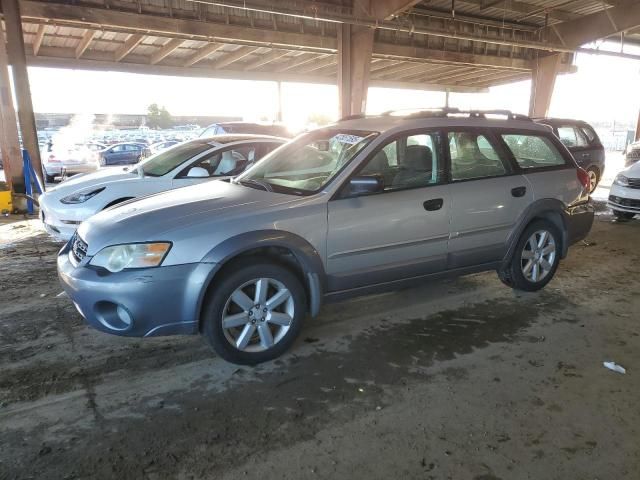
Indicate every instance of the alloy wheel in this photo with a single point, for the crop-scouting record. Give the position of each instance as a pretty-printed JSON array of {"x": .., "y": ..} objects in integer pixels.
[
  {"x": 593, "y": 180},
  {"x": 538, "y": 256},
  {"x": 257, "y": 315}
]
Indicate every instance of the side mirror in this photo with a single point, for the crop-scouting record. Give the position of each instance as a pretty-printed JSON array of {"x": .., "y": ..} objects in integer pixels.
[
  {"x": 364, "y": 185},
  {"x": 197, "y": 172}
]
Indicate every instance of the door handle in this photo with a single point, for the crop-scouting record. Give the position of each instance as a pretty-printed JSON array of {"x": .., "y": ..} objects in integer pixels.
[
  {"x": 433, "y": 204},
  {"x": 518, "y": 192}
]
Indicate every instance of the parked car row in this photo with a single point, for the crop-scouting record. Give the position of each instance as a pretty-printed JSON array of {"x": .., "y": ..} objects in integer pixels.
[{"x": 364, "y": 205}]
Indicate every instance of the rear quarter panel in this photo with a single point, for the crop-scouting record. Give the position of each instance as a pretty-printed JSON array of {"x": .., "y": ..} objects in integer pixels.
[{"x": 561, "y": 184}]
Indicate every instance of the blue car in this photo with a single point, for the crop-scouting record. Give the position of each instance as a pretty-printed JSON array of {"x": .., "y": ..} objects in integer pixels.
[{"x": 123, "y": 154}]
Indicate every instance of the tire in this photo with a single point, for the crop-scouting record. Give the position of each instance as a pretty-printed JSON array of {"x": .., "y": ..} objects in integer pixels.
[
  {"x": 620, "y": 215},
  {"x": 247, "y": 340},
  {"x": 528, "y": 262},
  {"x": 594, "y": 179}
]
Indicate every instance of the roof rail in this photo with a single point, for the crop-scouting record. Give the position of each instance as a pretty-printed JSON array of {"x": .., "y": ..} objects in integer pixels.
[{"x": 446, "y": 111}]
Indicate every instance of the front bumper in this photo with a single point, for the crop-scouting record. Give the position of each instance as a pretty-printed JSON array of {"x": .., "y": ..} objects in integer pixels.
[
  {"x": 136, "y": 303},
  {"x": 624, "y": 199},
  {"x": 56, "y": 227}
]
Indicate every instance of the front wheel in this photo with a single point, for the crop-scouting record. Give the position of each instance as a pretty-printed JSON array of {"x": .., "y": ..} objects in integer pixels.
[
  {"x": 620, "y": 215},
  {"x": 255, "y": 312},
  {"x": 535, "y": 259}
]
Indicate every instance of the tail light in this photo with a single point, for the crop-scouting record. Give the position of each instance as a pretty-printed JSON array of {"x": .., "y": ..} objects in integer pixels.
[{"x": 583, "y": 178}]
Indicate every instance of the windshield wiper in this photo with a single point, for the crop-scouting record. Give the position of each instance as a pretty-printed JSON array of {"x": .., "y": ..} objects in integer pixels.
[{"x": 255, "y": 183}]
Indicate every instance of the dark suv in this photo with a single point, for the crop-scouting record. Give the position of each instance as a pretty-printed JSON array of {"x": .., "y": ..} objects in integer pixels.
[{"x": 582, "y": 141}]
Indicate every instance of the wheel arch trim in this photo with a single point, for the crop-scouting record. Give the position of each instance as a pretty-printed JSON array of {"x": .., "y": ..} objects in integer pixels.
[
  {"x": 306, "y": 255},
  {"x": 550, "y": 209}
]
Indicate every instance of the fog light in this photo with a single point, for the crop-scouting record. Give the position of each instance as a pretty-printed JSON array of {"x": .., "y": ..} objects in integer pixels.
[
  {"x": 124, "y": 315},
  {"x": 113, "y": 316}
]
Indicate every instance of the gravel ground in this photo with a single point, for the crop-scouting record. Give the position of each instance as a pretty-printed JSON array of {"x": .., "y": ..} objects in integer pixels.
[{"x": 460, "y": 379}]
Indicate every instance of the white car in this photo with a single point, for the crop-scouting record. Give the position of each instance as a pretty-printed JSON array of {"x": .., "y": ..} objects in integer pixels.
[
  {"x": 65, "y": 206},
  {"x": 81, "y": 158},
  {"x": 624, "y": 196}
]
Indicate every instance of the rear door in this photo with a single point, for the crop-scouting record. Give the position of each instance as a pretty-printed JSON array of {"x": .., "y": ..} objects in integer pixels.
[
  {"x": 487, "y": 197},
  {"x": 551, "y": 173},
  {"x": 400, "y": 232}
]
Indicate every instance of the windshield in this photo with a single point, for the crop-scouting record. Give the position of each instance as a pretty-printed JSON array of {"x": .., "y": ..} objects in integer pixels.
[
  {"x": 310, "y": 162},
  {"x": 163, "y": 162}
]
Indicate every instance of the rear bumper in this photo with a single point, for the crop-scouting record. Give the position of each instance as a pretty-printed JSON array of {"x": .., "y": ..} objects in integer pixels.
[
  {"x": 136, "y": 303},
  {"x": 579, "y": 220}
]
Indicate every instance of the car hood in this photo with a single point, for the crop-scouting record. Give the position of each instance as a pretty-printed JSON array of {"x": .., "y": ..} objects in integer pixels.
[
  {"x": 166, "y": 215},
  {"x": 633, "y": 171},
  {"x": 97, "y": 179}
]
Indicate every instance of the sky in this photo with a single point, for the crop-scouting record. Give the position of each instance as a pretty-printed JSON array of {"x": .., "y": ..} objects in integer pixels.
[{"x": 604, "y": 88}]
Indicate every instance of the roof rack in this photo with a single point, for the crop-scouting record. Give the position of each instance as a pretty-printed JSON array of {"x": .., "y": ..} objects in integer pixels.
[{"x": 449, "y": 111}]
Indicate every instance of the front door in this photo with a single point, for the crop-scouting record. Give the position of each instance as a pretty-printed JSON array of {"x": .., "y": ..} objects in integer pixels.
[
  {"x": 399, "y": 233},
  {"x": 487, "y": 198}
]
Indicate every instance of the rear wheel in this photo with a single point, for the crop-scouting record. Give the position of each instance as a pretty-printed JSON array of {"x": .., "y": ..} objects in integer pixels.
[
  {"x": 593, "y": 179},
  {"x": 620, "y": 215},
  {"x": 255, "y": 312},
  {"x": 535, "y": 259}
]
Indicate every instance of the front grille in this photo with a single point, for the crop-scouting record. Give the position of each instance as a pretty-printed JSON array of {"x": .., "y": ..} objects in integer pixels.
[
  {"x": 78, "y": 248},
  {"x": 634, "y": 182},
  {"x": 634, "y": 153},
  {"x": 624, "y": 202}
]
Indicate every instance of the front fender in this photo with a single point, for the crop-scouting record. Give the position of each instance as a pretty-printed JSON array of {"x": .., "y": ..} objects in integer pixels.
[{"x": 307, "y": 256}]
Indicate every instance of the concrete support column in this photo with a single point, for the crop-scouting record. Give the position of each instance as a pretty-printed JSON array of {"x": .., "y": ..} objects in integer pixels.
[
  {"x": 638, "y": 129},
  {"x": 9, "y": 142},
  {"x": 18, "y": 61},
  {"x": 544, "y": 75},
  {"x": 355, "y": 47}
]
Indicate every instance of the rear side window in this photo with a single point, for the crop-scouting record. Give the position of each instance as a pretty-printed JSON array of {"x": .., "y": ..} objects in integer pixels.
[
  {"x": 572, "y": 136},
  {"x": 473, "y": 156},
  {"x": 533, "y": 151},
  {"x": 589, "y": 133}
]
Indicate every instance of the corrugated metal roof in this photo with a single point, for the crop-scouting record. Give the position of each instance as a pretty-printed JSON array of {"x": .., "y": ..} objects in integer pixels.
[{"x": 517, "y": 21}]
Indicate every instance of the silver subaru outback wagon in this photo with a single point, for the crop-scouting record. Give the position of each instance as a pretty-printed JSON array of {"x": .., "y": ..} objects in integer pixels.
[{"x": 364, "y": 205}]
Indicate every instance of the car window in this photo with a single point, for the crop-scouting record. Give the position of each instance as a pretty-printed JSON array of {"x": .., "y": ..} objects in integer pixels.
[
  {"x": 567, "y": 136},
  {"x": 572, "y": 136},
  {"x": 118, "y": 149},
  {"x": 307, "y": 164},
  {"x": 473, "y": 156},
  {"x": 533, "y": 151},
  {"x": 406, "y": 162},
  {"x": 589, "y": 133},
  {"x": 166, "y": 160},
  {"x": 209, "y": 132},
  {"x": 220, "y": 163}
]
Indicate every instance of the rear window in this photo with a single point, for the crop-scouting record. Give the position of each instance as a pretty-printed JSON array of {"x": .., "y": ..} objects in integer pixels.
[{"x": 533, "y": 151}]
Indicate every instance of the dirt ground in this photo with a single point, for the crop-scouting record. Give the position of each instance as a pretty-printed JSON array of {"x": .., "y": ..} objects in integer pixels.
[{"x": 462, "y": 379}]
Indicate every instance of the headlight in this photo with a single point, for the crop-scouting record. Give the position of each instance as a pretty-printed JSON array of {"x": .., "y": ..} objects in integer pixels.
[
  {"x": 81, "y": 197},
  {"x": 134, "y": 255},
  {"x": 621, "y": 180}
]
